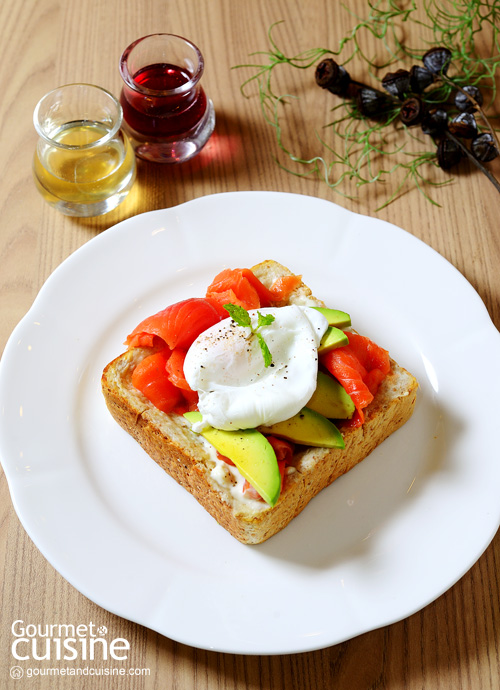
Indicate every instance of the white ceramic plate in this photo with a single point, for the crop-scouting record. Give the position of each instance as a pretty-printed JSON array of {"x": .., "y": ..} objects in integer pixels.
[{"x": 379, "y": 544}]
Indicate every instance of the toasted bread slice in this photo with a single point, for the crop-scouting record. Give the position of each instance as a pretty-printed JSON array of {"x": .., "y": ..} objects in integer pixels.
[{"x": 193, "y": 462}]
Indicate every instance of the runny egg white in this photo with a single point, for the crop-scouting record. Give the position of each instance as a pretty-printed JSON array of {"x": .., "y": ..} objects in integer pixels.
[{"x": 225, "y": 365}]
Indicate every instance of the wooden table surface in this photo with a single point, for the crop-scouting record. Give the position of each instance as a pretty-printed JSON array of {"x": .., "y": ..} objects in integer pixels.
[{"x": 453, "y": 642}]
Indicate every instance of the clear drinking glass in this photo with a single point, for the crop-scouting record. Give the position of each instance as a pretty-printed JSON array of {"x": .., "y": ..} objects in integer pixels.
[
  {"x": 84, "y": 164},
  {"x": 165, "y": 110}
]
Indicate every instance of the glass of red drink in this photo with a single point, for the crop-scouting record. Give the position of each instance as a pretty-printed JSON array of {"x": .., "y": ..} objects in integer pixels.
[{"x": 166, "y": 112}]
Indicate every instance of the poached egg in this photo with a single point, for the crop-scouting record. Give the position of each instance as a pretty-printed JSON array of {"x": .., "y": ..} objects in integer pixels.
[{"x": 225, "y": 365}]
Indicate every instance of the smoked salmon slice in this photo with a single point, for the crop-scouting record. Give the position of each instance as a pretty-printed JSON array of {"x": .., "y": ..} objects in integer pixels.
[
  {"x": 283, "y": 449},
  {"x": 240, "y": 286},
  {"x": 371, "y": 355},
  {"x": 283, "y": 287},
  {"x": 234, "y": 285},
  {"x": 360, "y": 367},
  {"x": 175, "y": 369},
  {"x": 347, "y": 369},
  {"x": 230, "y": 297},
  {"x": 178, "y": 325},
  {"x": 151, "y": 378},
  {"x": 160, "y": 378}
]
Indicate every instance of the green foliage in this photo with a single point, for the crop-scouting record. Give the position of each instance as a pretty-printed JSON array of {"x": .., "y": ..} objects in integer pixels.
[{"x": 361, "y": 149}]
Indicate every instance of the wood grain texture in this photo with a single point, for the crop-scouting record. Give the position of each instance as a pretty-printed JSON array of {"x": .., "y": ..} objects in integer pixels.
[{"x": 454, "y": 642}]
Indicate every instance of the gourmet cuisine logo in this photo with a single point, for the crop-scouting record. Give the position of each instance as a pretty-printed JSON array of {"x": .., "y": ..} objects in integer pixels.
[{"x": 66, "y": 642}]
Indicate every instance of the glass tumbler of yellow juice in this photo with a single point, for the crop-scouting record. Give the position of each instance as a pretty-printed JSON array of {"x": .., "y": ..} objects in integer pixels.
[{"x": 84, "y": 164}]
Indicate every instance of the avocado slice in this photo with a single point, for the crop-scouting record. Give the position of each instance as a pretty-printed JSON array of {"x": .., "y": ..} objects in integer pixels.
[
  {"x": 332, "y": 338},
  {"x": 309, "y": 428},
  {"x": 252, "y": 454},
  {"x": 331, "y": 399},
  {"x": 335, "y": 317}
]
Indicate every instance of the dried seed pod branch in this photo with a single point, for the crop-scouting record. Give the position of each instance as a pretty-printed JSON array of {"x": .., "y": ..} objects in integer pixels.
[
  {"x": 477, "y": 106},
  {"x": 412, "y": 94},
  {"x": 458, "y": 143}
]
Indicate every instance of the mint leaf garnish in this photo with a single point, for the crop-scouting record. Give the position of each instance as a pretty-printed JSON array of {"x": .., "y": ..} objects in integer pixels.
[
  {"x": 242, "y": 318},
  {"x": 238, "y": 314},
  {"x": 264, "y": 320},
  {"x": 266, "y": 352}
]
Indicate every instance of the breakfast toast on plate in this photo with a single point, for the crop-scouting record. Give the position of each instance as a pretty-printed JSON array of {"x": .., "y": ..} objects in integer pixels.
[{"x": 193, "y": 456}]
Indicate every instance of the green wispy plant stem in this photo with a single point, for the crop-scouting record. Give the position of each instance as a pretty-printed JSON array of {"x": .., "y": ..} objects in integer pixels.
[{"x": 362, "y": 145}]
